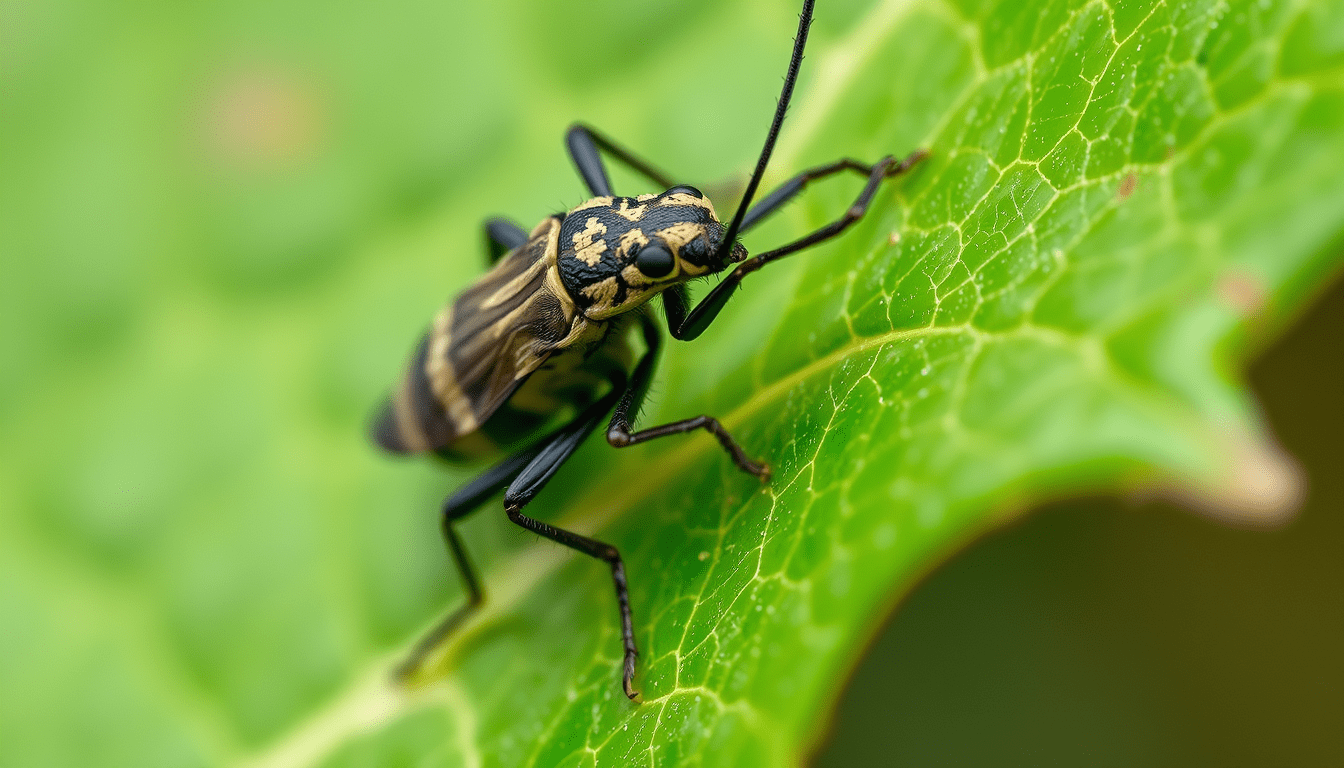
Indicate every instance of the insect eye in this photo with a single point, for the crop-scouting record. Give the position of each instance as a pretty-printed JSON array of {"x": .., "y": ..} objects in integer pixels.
[
  {"x": 685, "y": 189},
  {"x": 654, "y": 260}
]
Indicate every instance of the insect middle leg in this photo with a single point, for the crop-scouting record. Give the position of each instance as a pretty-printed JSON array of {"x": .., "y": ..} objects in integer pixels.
[
  {"x": 462, "y": 503},
  {"x": 618, "y": 431}
]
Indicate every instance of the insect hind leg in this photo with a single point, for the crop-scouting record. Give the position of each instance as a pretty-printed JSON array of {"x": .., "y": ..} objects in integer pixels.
[
  {"x": 462, "y": 503},
  {"x": 607, "y": 553}
]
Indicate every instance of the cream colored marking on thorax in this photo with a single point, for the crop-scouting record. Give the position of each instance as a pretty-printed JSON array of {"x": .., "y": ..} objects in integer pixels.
[
  {"x": 588, "y": 244},
  {"x": 629, "y": 239},
  {"x": 632, "y": 214},
  {"x": 602, "y": 293},
  {"x": 596, "y": 202},
  {"x": 684, "y": 198},
  {"x": 638, "y": 281}
]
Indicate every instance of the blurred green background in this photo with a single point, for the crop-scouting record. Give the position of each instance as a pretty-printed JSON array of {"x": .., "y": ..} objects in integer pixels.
[{"x": 213, "y": 216}]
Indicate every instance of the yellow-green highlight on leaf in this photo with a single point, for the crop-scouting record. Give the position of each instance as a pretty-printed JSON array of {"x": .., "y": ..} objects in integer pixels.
[{"x": 234, "y": 221}]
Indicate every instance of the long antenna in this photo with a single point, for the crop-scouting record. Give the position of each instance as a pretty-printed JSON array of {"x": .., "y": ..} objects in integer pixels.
[{"x": 799, "y": 42}]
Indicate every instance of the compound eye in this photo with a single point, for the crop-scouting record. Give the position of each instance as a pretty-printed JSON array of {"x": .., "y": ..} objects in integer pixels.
[
  {"x": 654, "y": 260},
  {"x": 685, "y": 189}
]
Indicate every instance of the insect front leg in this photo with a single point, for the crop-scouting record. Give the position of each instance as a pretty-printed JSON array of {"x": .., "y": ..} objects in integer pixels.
[
  {"x": 618, "y": 431},
  {"x": 790, "y": 189},
  {"x": 584, "y": 143},
  {"x": 689, "y": 325},
  {"x": 462, "y": 503},
  {"x": 501, "y": 236}
]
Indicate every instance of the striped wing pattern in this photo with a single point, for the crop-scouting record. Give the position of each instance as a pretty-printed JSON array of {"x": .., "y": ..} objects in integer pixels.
[{"x": 480, "y": 349}]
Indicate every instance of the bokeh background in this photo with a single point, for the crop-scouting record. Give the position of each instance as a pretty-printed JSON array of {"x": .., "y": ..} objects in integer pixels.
[{"x": 213, "y": 216}]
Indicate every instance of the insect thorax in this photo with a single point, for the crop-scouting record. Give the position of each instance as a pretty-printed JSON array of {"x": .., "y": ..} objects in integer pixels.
[{"x": 601, "y": 241}]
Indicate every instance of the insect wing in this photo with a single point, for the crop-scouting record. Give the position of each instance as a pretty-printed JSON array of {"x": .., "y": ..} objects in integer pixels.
[{"x": 478, "y": 351}]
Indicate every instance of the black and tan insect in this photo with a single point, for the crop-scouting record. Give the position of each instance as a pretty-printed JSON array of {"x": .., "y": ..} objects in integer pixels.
[{"x": 547, "y": 331}]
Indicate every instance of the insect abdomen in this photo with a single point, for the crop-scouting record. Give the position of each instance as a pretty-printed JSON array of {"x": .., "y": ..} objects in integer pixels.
[{"x": 413, "y": 420}]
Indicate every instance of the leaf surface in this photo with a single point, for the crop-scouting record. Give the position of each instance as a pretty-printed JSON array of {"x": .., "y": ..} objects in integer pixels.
[{"x": 1122, "y": 198}]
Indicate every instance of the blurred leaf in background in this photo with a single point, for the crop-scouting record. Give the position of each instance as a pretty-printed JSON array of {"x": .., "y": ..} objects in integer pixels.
[{"x": 223, "y": 224}]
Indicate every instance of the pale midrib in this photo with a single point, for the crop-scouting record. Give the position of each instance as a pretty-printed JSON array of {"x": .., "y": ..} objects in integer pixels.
[{"x": 370, "y": 699}]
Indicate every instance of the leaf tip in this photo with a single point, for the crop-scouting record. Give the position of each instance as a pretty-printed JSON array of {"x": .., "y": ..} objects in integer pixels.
[{"x": 1259, "y": 485}]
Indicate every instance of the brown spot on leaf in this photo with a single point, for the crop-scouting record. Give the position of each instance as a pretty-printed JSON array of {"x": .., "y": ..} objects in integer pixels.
[
  {"x": 1127, "y": 186},
  {"x": 1242, "y": 292}
]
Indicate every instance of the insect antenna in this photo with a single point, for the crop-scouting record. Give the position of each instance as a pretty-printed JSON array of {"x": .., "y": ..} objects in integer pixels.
[{"x": 795, "y": 62}]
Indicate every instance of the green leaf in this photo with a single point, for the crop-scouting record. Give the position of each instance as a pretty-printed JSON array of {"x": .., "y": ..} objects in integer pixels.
[{"x": 239, "y": 221}]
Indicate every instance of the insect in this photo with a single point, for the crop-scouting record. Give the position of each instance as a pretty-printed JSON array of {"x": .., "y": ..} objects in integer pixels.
[{"x": 547, "y": 331}]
